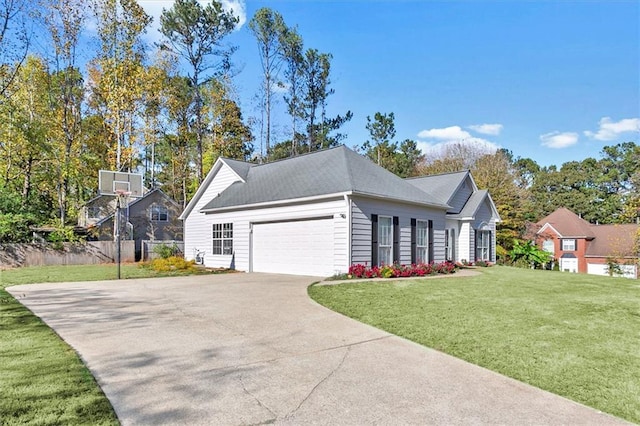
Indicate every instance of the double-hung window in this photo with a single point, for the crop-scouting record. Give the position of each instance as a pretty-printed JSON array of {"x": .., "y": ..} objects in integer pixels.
[
  {"x": 223, "y": 238},
  {"x": 159, "y": 213},
  {"x": 568, "y": 245},
  {"x": 422, "y": 241},
  {"x": 385, "y": 240},
  {"x": 449, "y": 239},
  {"x": 483, "y": 244}
]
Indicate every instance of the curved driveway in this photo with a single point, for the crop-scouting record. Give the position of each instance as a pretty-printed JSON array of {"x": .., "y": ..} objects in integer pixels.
[{"x": 244, "y": 349}]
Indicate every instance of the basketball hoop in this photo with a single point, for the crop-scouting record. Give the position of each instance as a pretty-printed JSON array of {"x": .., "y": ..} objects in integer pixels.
[
  {"x": 123, "y": 196},
  {"x": 123, "y": 193}
]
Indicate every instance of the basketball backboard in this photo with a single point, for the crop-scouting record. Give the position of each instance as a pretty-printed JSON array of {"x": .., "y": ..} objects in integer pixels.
[{"x": 109, "y": 182}]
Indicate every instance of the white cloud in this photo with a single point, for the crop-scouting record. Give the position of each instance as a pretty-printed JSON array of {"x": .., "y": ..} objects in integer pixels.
[
  {"x": 439, "y": 141},
  {"x": 446, "y": 133},
  {"x": 487, "y": 129},
  {"x": 154, "y": 9},
  {"x": 559, "y": 139},
  {"x": 610, "y": 130}
]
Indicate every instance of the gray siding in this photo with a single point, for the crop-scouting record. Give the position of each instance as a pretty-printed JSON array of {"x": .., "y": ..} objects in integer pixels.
[
  {"x": 460, "y": 198},
  {"x": 363, "y": 208}
]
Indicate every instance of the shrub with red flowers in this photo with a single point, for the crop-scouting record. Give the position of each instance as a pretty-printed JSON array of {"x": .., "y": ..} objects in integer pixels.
[{"x": 397, "y": 270}]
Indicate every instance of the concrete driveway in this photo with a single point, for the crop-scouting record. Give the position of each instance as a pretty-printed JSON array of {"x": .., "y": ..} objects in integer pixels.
[{"x": 245, "y": 349}]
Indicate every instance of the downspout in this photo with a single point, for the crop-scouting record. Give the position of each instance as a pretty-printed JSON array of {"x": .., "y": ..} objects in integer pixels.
[
  {"x": 347, "y": 200},
  {"x": 250, "y": 247}
]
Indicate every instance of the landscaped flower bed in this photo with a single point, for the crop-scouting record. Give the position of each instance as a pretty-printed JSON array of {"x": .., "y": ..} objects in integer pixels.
[{"x": 397, "y": 270}]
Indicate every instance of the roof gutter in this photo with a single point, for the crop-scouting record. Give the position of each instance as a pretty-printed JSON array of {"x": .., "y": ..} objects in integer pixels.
[
  {"x": 275, "y": 203},
  {"x": 318, "y": 198}
]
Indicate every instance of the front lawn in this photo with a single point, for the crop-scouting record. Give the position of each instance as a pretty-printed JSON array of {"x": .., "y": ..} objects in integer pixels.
[
  {"x": 574, "y": 335},
  {"x": 42, "y": 380}
]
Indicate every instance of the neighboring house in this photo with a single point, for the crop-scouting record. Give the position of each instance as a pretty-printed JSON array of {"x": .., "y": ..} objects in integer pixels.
[
  {"x": 154, "y": 216},
  {"x": 579, "y": 246},
  {"x": 319, "y": 213}
]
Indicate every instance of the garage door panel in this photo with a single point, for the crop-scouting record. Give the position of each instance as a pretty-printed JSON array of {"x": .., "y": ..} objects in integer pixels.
[{"x": 297, "y": 247}]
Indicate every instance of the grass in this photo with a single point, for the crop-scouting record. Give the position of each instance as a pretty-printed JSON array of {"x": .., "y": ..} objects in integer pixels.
[
  {"x": 42, "y": 379},
  {"x": 574, "y": 335}
]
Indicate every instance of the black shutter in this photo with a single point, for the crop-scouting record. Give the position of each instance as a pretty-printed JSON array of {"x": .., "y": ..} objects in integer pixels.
[
  {"x": 430, "y": 232},
  {"x": 374, "y": 239},
  {"x": 413, "y": 241},
  {"x": 475, "y": 246},
  {"x": 396, "y": 239}
]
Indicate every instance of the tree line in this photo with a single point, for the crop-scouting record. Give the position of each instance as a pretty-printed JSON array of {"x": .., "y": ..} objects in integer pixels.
[{"x": 72, "y": 103}]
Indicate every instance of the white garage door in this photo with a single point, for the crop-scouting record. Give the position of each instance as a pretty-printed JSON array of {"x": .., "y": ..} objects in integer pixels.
[
  {"x": 302, "y": 247},
  {"x": 628, "y": 271}
]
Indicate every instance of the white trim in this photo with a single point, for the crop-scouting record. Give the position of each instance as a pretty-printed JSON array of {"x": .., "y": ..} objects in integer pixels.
[
  {"x": 347, "y": 200},
  {"x": 390, "y": 245},
  {"x": 315, "y": 198},
  {"x": 204, "y": 185},
  {"x": 548, "y": 225},
  {"x": 426, "y": 241},
  {"x": 562, "y": 246},
  {"x": 273, "y": 203}
]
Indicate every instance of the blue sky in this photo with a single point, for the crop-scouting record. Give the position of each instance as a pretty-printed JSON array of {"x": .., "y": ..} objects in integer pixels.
[{"x": 554, "y": 81}]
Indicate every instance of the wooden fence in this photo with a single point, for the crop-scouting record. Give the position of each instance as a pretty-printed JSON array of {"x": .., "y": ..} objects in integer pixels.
[
  {"x": 149, "y": 248},
  {"x": 91, "y": 252}
]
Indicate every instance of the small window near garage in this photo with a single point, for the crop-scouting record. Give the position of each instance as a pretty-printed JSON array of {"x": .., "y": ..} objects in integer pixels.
[
  {"x": 385, "y": 240},
  {"x": 422, "y": 241},
  {"x": 223, "y": 238},
  {"x": 568, "y": 245},
  {"x": 159, "y": 213}
]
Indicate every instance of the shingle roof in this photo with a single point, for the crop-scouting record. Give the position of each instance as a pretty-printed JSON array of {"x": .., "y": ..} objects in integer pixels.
[
  {"x": 333, "y": 171},
  {"x": 568, "y": 224},
  {"x": 613, "y": 240},
  {"x": 241, "y": 168},
  {"x": 442, "y": 186},
  {"x": 472, "y": 205}
]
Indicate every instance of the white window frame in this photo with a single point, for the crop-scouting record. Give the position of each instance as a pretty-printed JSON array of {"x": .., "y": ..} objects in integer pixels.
[
  {"x": 385, "y": 248},
  {"x": 569, "y": 247},
  {"x": 422, "y": 241},
  {"x": 483, "y": 245},
  {"x": 449, "y": 242},
  {"x": 549, "y": 246},
  {"x": 222, "y": 239},
  {"x": 159, "y": 211}
]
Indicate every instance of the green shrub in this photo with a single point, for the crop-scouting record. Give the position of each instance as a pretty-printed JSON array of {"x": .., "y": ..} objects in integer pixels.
[
  {"x": 61, "y": 235},
  {"x": 14, "y": 228},
  {"x": 166, "y": 251}
]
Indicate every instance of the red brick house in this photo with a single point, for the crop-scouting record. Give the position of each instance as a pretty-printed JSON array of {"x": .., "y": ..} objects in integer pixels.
[{"x": 583, "y": 247}]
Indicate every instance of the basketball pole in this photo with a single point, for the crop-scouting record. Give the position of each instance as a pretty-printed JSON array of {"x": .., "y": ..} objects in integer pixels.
[{"x": 118, "y": 233}]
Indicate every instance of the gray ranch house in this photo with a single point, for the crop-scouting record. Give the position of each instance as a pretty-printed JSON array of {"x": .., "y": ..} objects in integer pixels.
[{"x": 319, "y": 213}]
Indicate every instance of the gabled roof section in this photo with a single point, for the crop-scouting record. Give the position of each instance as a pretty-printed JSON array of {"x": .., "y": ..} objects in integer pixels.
[
  {"x": 334, "y": 171},
  {"x": 442, "y": 187},
  {"x": 139, "y": 199},
  {"x": 474, "y": 203},
  {"x": 154, "y": 191},
  {"x": 567, "y": 224},
  {"x": 241, "y": 169}
]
